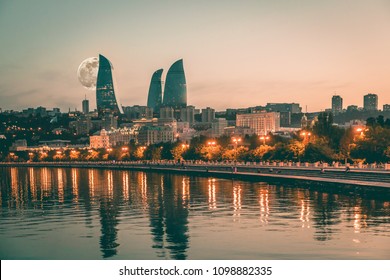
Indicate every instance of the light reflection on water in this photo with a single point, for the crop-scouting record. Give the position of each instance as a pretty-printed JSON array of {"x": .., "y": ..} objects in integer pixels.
[{"x": 50, "y": 213}]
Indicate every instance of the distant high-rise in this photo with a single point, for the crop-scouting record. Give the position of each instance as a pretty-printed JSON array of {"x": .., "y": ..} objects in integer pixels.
[
  {"x": 155, "y": 91},
  {"x": 166, "y": 113},
  {"x": 85, "y": 105},
  {"x": 187, "y": 114},
  {"x": 370, "y": 102},
  {"x": 337, "y": 104},
  {"x": 175, "y": 91},
  {"x": 105, "y": 89},
  {"x": 208, "y": 115}
]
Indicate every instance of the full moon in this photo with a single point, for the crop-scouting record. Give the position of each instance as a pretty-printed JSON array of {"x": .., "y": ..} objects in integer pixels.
[{"x": 87, "y": 72}]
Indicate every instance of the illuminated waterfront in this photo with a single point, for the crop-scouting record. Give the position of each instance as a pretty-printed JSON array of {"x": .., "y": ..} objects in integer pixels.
[{"x": 70, "y": 213}]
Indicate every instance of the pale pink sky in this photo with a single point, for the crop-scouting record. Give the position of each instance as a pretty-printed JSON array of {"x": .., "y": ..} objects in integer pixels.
[{"x": 236, "y": 53}]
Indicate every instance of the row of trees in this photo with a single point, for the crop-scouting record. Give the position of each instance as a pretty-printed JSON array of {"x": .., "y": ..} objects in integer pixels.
[{"x": 323, "y": 142}]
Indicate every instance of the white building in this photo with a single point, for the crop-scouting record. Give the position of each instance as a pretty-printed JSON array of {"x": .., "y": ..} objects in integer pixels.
[
  {"x": 122, "y": 136},
  {"x": 262, "y": 122},
  {"x": 101, "y": 140},
  {"x": 155, "y": 134}
]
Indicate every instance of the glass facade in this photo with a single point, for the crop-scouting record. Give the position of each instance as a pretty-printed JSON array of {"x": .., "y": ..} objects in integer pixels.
[
  {"x": 106, "y": 101},
  {"x": 155, "y": 91},
  {"x": 175, "y": 91}
]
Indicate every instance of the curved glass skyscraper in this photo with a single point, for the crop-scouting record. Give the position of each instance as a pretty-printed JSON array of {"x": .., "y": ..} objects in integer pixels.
[
  {"x": 175, "y": 91},
  {"x": 106, "y": 101},
  {"x": 155, "y": 91}
]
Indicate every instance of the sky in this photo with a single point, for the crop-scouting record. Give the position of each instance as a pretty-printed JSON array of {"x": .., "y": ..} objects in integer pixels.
[{"x": 236, "y": 53}]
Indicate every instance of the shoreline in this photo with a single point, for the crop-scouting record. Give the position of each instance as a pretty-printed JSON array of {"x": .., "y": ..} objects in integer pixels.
[{"x": 249, "y": 172}]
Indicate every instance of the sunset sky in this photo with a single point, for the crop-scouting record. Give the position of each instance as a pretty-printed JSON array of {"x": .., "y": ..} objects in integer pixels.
[{"x": 236, "y": 53}]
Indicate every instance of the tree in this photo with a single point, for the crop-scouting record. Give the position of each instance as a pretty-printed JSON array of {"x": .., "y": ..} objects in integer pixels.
[
  {"x": 224, "y": 141},
  {"x": 166, "y": 150},
  {"x": 371, "y": 122},
  {"x": 297, "y": 149},
  {"x": 241, "y": 154},
  {"x": 258, "y": 153},
  {"x": 380, "y": 120},
  {"x": 324, "y": 125},
  {"x": 253, "y": 141},
  {"x": 211, "y": 152},
  {"x": 316, "y": 152},
  {"x": 153, "y": 152},
  {"x": 373, "y": 145},
  {"x": 279, "y": 152},
  {"x": 194, "y": 151}
]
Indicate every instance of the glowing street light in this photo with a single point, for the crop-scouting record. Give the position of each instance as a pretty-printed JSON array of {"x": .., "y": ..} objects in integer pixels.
[
  {"x": 236, "y": 140},
  {"x": 305, "y": 135},
  {"x": 264, "y": 138},
  {"x": 211, "y": 143},
  {"x": 360, "y": 131},
  {"x": 125, "y": 149},
  {"x": 109, "y": 150}
]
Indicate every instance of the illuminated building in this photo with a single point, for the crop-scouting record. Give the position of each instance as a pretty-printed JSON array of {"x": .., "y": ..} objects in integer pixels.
[
  {"x": 100, "y": 140},
  {"x": 262, "y": 123},
  {"x": 337, "y": 104},
  {"x": 175, "y": 91},
  {"x": 106, "y": 100},
  {"x": 370, "y": 102},
  {"x": 155, "y": 91}
]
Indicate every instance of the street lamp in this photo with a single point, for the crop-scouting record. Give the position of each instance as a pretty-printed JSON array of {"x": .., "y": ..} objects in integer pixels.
[
  {"x": 236, "y": 140},
  {"x": 211, "y": 143},
  {"x": 360, "y": 131},
  {"x": 185, "y": 146},
  {"x": 264, "y": 138},
  {"x": 109, "y": 150},
  {"x": 125, "y": 149},
  {"x": 305, "y": 135},
  {"x": 30, "y": 155}
]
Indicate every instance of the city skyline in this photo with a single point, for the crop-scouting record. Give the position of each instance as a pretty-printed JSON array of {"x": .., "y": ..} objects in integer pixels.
[{"x": 236, "y": 55}]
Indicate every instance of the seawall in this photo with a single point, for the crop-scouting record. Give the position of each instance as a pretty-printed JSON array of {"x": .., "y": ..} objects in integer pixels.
[{"x": 352, "y": 177}]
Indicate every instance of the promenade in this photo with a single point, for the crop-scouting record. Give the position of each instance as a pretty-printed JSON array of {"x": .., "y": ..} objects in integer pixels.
[{"x": 374, "y": 177}]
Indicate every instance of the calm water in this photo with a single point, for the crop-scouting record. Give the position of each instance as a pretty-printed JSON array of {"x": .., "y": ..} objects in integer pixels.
[{"x": 56, "y": 213}]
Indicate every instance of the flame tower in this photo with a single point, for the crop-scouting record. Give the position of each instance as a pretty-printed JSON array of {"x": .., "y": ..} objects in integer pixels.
[
  {"x": 175, "y": 91},
  {"x": 155, "y": 91},
  {"x": 106, "y": 100}
]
